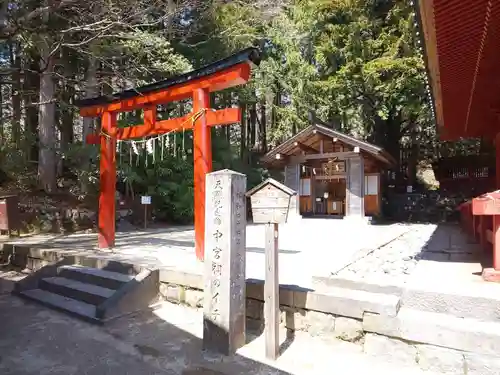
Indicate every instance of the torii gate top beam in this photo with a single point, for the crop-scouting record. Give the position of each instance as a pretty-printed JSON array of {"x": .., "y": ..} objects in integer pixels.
[{"x": 228, "y": 72}]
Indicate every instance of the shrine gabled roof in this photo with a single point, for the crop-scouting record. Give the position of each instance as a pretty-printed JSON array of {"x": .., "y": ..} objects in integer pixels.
[
  {"x": 247, "y": 55},
  {"x": 462, "y": 54},
  {"x": 271, "y": 181},
  {"x": 288, "y": 147}
]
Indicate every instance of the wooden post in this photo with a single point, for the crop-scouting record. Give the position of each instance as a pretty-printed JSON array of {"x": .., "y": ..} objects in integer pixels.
[
  {"x": 271, "y": 293},
  {"x": 271, "y": 205},
  {"x": 497, "y": 160},
  {"x": 496, "y": 218},
  {"x": 225, "y": 285},
  {"x": 107, "y": 170},
  {"x": 202, "y": 155},
  {"x": 355, "y": 189}
]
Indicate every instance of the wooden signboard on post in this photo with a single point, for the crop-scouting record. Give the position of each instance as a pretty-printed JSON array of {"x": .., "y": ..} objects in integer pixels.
[
  {"x": 270, "y": 205},
  {"x": 145, "y": 201}
]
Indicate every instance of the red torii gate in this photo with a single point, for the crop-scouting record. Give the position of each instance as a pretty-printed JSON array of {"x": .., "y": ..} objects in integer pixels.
[{"x": 229, "y": 72}]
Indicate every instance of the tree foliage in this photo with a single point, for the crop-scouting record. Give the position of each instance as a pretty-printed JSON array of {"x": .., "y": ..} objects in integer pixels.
[{"x": 353, "y": 64}]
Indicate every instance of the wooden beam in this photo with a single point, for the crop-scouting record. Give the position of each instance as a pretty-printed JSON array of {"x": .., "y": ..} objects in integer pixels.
[
  {"x": 324, "y": 137},
  {"x": 305, "y": 148},
  {"x": 234, "y": 76},
  {"x": 152, "y": 126},
  {"x": 330, "y": 155}
]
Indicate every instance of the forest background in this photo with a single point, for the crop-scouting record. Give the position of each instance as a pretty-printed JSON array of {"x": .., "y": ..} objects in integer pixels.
[{"x": 355, "y": 65}]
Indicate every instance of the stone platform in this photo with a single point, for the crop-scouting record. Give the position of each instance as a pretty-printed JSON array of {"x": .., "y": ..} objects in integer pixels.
[
  {"x": 308, "y": 247},
  {"x": 412, "y": 290}
]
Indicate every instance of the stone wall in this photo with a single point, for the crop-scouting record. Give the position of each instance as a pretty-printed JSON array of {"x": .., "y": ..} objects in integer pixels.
[
  {"x": 292, "y": 317},
  {"x": 370, "y": 320}
]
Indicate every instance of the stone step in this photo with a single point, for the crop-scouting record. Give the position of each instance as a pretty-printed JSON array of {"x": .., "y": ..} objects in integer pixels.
[
  {"x": 95, "y": 276},
  {"x": 349, "y": 302},
  {"x": 437, "y": 329},
  {"x": 77, "y": 290},
  {"x": 480, "y": 302},
  {"x": 76, "y": 308},
  {"x": 112, "y": 288},
  {"x": 324, "y": 283}
]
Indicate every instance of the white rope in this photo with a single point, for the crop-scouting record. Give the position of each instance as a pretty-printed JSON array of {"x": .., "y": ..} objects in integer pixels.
[
  {"x": 192, "y": 118},
  {"x": 149, "y": 143}
]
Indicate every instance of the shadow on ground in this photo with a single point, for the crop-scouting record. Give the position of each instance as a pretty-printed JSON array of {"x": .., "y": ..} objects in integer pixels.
[
  {"x": 449, "y": 243},
  {"x": 35, "y": 340},
  {"x": 151, "y": 238}
]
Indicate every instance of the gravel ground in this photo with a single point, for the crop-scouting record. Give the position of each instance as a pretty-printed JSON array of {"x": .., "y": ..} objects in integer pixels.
[{"x": 394, "y": 261}]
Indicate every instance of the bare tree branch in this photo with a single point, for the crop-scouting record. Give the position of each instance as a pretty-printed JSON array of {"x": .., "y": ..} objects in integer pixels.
[{"x": 7, "y": 30}]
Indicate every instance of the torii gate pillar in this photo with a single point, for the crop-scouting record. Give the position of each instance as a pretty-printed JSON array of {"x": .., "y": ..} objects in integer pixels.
[{"x": 202, "y": 159}]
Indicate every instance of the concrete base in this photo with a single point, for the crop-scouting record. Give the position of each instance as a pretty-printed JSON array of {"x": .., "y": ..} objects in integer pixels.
[{"x": 491, "y": 274}]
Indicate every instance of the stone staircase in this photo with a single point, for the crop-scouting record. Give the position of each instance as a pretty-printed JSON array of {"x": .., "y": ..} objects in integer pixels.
[{"x": 93, "y": 294}]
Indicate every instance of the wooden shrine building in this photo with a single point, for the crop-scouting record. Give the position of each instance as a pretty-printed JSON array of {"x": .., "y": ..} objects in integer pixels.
[{"x": 334, "y": 174}]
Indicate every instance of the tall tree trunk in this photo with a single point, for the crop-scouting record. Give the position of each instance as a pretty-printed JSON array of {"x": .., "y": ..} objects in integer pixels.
[
  {"x": 276, "y": 104},
  {"x": 171, "y": 6},
  {"x": 46, "y": 118},
  {"x": 66, "y": 125},
  {"x": 2, "y": 134},
  {"x": 390, "y": 133},
  {"x": 253, "y": 125},
  {"x": 91, "y": 90},
  {"x": 263, "y": 126},
  {"x": 31, "y": 93},
  {"x": 88, "y": 123},
  {"x": 15, "y": 62},
  {"x": 414, "y": 156},
  {"x": 66, "y": 104},
  {"x": 1, "y": 117},
  {"x": 243, "y": 138}
]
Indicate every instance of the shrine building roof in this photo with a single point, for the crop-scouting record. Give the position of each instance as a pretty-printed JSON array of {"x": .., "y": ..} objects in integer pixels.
[
  {"x": 462, "y": 55},
  {"x": 309, "y": 138}
]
